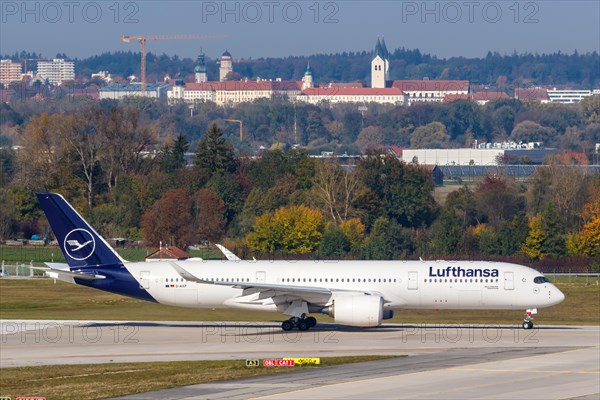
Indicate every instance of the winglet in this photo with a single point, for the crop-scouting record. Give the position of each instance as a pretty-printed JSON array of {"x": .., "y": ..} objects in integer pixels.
[{"x": 228, "y": 253}]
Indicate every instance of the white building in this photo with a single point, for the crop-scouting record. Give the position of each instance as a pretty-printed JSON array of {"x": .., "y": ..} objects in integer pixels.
[
  {"x": 56, "y": 71},
  {"x": 234, "y": 92},
  {"x": 567, "y": 95},
  {"x": 10, "y": 71},
  {"x": 488, "y": 154},
  {"x": 119, "y": 92},
  {"x": 431, "y": 90},
  {"x": 104, "y": 75},
  {"x": 226, "y": 66},
  {"x": 335, "y": 95},
  {"x": 380, "y": 65}
]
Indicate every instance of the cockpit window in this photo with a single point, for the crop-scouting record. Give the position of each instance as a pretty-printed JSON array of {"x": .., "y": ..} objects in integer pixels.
[{"x": 540, "y": 279}]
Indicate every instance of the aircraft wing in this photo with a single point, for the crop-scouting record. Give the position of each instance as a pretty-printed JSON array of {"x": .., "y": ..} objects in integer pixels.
[{"x": 278, "y": 292}]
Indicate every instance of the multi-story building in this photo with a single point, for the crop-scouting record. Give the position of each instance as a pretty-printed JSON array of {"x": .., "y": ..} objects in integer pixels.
[
  {"x": 481, "y": 98},
  {"x": 536, "y": 94},
  {"x": 119, "y": 92},
  {"x": 431, "y": 90},
  {"x": 56, "y": 71},
  {"x": 567, "y": 95},
  {"x": 233, "y": 92},
  {"x": 335, "y": 95},
  {"x": 10, "y": 71}
]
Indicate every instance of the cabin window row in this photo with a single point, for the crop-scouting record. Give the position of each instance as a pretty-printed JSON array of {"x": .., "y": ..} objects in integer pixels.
[
  {"x": 460, "y": 280},
  {"x": 342, "y": 280}
]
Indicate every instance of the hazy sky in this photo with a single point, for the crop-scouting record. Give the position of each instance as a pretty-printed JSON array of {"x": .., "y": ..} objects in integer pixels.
[{"x": 282, "y": 28}]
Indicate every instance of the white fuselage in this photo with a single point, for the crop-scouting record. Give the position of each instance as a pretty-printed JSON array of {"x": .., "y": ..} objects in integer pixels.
[{"x": 403, "y": 284}]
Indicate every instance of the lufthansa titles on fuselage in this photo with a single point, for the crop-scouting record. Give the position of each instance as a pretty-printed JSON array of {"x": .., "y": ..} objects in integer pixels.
[{"x": 459, "y": 272}]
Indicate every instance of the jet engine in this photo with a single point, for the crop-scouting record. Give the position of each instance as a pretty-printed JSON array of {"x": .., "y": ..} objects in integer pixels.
[{"x": 357, "y": 310}]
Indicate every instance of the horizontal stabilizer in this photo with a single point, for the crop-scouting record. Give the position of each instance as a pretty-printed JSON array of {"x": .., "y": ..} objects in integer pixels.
[{"x": 53, "y": 273}]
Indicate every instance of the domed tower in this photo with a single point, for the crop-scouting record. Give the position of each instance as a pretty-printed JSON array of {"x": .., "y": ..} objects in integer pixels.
[
  {"x": 380, "y": 66},
  {"x": 307, "y": 80},
  {"x": 200, "y": 69},
  {"x": 226, "y": 65}
]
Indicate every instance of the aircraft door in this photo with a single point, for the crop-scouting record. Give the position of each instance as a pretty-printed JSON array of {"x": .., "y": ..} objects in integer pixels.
[
  {"x": 509, "y": 281},
  {"x": 261, "y": 276},
  {"x": 413, "y": 280},
  {"x": 145, "y": 279}
]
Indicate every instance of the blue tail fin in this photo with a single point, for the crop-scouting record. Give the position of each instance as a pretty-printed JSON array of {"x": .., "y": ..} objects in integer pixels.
[{"x": 79, "y": 242}]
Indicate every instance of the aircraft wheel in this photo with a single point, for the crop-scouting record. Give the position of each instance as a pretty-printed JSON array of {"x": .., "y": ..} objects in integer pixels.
[
  {"x": 312, "y": 321},
  {"x": 287, "y": 325},
  {"x": 303, "y": 325},
  {"x": 527, "y": 325}
]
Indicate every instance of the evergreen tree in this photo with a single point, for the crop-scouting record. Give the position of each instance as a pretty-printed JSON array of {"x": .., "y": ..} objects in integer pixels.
[
  {"x": 215, "y": 154},
  {"x": 173, "y": 157},
  {"x": 554, "y": 241}
]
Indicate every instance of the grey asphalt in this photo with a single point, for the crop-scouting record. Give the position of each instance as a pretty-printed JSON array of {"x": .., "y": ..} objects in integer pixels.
[{"x": 438, "y": 361}]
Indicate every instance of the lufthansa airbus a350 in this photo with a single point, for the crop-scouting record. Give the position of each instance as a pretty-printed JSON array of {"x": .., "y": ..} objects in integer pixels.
[{"x": 357, "y": 293}]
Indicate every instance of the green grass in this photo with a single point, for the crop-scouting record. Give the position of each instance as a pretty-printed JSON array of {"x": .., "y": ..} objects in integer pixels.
[
  {"x": 45, "y": 299},
  {"x": 95, "y": 381}
]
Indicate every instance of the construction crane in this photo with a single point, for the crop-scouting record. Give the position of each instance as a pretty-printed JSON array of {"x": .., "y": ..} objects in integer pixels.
[
  {"x": 143, "y": 38},
  {"x": 241, "y": 127}
]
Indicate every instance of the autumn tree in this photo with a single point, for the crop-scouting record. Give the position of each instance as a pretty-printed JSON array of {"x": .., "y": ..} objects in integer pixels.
[
  {"x": 529, "y": 131},
  {"x": 499, "y": 198},
  {"x": 125, "y": 138},
  {"x": 292, "y": 229},
  {"x": 430, "y": 136},
  {"x": 84, "y": 134},
  {"x": 209, "y": 215},
  {"x": 335, "y": 189},
  {"x": 533, "y": 246},
  {"x": 44, "y": 156},
  {"x": 354, "y": 230},
  {"x": 590, "y": 109},
  {"x": 170, "y": 220},
  {"x": 370, "y": 138}
]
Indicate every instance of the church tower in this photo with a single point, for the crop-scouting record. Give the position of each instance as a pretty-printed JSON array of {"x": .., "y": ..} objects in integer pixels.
[
  {"x": 307, "y": 80},
  {"x": 380, "y": 66},
  {"x": 226, "y": 65},
  {"x": 200, "y": 69}
]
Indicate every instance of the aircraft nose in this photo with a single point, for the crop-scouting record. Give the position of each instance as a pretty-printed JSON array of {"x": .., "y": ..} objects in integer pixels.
[{"x": 558, "y": 296}]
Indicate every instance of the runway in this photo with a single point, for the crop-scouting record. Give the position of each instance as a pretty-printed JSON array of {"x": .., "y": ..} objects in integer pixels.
[{"x": 442, "y": 361}]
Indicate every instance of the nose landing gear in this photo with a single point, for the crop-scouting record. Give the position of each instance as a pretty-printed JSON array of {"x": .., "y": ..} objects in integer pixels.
[{"x": 528, "y": 321}]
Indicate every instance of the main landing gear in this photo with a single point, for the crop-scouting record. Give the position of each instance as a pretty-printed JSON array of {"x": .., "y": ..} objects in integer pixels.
[
  {"x": 302, "y": 324},
  {"x": 528, "y": 321}
]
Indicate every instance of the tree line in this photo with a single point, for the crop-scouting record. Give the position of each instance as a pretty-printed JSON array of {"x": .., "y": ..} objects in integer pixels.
[
  {"x": 284, "y": 201},
  {"x": 515, "y": 70},
  {"x": 344, "y": 128}
]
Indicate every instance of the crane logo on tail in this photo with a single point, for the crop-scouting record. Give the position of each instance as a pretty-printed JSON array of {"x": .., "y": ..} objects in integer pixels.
[{"x": 79, "y": 244}]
